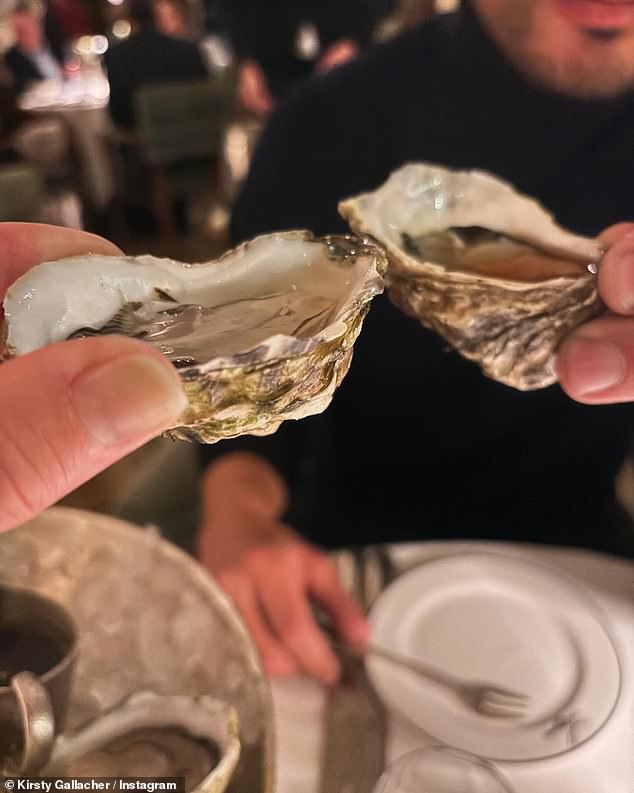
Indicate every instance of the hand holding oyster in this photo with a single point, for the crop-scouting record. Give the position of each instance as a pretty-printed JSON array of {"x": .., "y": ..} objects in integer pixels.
[
  {"x": 485, "y": 267},
  {"x": 262, "y": 335},
  {"x": 266, "y": 333}
]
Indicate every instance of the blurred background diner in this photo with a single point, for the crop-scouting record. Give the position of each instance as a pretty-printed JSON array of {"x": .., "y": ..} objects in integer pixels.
[{"x": 137, "y": 118}]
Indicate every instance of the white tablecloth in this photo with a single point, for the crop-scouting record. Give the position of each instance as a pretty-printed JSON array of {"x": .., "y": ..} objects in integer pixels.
[{"x": 604, "y": 764}]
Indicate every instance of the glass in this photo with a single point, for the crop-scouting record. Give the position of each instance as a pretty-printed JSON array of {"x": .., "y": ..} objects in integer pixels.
[{"x": 439, "y": 769}]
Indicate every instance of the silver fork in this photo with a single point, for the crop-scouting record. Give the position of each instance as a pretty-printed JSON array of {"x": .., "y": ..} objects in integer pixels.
[{"x": 484, "y": 698}]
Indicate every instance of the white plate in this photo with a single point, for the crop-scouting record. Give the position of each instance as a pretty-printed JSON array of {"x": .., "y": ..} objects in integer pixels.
[{"x": 492, "y": 617}]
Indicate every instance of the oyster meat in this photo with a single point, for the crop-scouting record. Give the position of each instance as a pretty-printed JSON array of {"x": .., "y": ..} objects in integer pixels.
[
  {"x": 262, "y": 335},
  {"x": 482, "y": 265}
]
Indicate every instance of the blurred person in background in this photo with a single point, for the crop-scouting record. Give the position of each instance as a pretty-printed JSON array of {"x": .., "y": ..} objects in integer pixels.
[
  {"x": 148, "y": 57},
  {"x": 175, "y": 18},
  {"x": 32, "y": 57},
  {"x": 418, "y": 443},
  {"x": 413, "y": 12},
  {"x": 213, "y": 16},
  {"x": 11, "y": 117},
  {"x": 279, "y": 43},
  {"x": 70, "y": 18}
]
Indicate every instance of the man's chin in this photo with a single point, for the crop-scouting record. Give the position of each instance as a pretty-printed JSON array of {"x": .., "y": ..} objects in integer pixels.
[
  {"x": 591, "y": 57},
  {"x": 582, "y": 84}
]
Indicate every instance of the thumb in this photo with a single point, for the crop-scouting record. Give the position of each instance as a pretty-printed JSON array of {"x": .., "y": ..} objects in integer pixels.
[
  {"x": 596, "y": 363},
  {"x": 72, "y": 409}
]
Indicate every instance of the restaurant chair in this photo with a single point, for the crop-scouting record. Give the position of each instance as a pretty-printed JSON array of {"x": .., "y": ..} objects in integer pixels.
[
  {"x": 22, "y": 192},
  {"x": 45, "y": 143},
  {"x": 180, "y": 130}
]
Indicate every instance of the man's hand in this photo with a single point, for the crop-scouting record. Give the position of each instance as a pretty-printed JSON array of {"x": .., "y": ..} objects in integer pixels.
[
  {"x": 253, "y": 90},
  {"x": 271, "y": 574},
  {"x": 273, "y": 585},
  {"x": 72, "y": 409},
  {"x": 336, "y": 55},
  {"x": 595, "y": 364}
]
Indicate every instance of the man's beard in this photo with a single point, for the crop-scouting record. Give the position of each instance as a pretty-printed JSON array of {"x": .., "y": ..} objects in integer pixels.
[
  {"x": 608, "y": 74},
  {"x": 583, "y": 78}
]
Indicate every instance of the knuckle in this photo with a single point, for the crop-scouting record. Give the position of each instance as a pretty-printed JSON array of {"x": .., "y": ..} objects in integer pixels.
[
  {"x": 24, "y": 489},
  {"x": 291, "y": 632},
  {"x": 267, "y": 558},
  {"x": 290, "y": 625},
  {"x": 292, "y": 555},
  {"x": 325, "y": 569},
  {"x": 258, "y": 555},
  {"x": 233, "y": 582}
]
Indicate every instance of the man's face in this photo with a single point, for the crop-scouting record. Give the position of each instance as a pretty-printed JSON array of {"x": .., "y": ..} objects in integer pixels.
[{"x": 581, "y": 48}]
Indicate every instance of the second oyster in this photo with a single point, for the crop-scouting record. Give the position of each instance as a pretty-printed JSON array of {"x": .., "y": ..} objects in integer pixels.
[
  {"x": 262, "y": 335},
  {"x": 485, "y": 267}
]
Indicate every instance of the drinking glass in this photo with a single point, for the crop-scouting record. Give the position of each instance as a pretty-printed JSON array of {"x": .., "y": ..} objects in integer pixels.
[{"x": 441, "y": 769}]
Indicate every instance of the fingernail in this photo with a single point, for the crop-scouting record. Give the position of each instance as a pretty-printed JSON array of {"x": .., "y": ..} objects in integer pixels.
[
  {"x": 128, "y": 398},
  {"x": 623, "y": 275},
  {"x": 594, "y": 366}
]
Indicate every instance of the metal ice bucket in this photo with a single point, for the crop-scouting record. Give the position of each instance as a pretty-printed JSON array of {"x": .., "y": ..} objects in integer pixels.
[{"x": 149, "y": 619}]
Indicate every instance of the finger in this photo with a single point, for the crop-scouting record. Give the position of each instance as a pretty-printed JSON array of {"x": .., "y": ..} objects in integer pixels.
[
  {"x": 616, "y": 275},
  {"x": 23, "y": 245},
  {"x": 290, "y": 617},
  {"x": 324, "y": 585},
  {"x": 277, "y": 662},
  {"x": 72, "y": 409},
  {"x": 595, "y": 364},
  {"x": 284, "y": 601}
]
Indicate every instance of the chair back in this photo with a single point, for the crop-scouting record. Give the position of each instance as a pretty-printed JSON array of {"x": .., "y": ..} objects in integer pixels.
[
  {"x": 182, "y": 121},
  {"x": 21, "y": 192}
]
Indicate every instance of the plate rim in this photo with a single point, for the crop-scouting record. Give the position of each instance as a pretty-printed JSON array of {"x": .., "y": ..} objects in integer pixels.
[{"x": 579, "y": 591}]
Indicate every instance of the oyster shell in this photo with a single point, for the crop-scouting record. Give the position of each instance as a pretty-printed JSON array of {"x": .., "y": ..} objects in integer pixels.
[
  {"x": 262, "y": 335},
  {"x": 482, "y": 265}
]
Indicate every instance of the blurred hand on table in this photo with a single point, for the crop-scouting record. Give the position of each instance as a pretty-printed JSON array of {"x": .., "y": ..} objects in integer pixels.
[
  {"x": 72, "y": 409},
  {"x": 596, "y": 362},
  {"x": 272, "y": 575}
]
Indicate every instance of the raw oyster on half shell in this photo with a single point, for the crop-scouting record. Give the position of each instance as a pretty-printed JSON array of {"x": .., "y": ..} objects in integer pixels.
[
  {"x": 482, "y": 265},
  {"x": 262, "y": 335}
]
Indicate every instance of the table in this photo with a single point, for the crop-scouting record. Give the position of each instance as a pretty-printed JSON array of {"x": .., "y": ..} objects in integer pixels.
[
  {"x": 602, "y": 765},
  {"x": 82, "y": 104}
]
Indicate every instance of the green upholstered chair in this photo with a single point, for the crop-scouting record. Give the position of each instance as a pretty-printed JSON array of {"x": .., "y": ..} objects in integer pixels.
[
  {"x": 21, "y": 192},
  {"x": 180, "y": 128}
]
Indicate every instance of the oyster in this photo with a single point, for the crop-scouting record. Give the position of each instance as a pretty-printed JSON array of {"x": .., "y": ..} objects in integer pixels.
[
  {"x": 482, "y": 265},
  {"x": 262, "y": 335}
]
